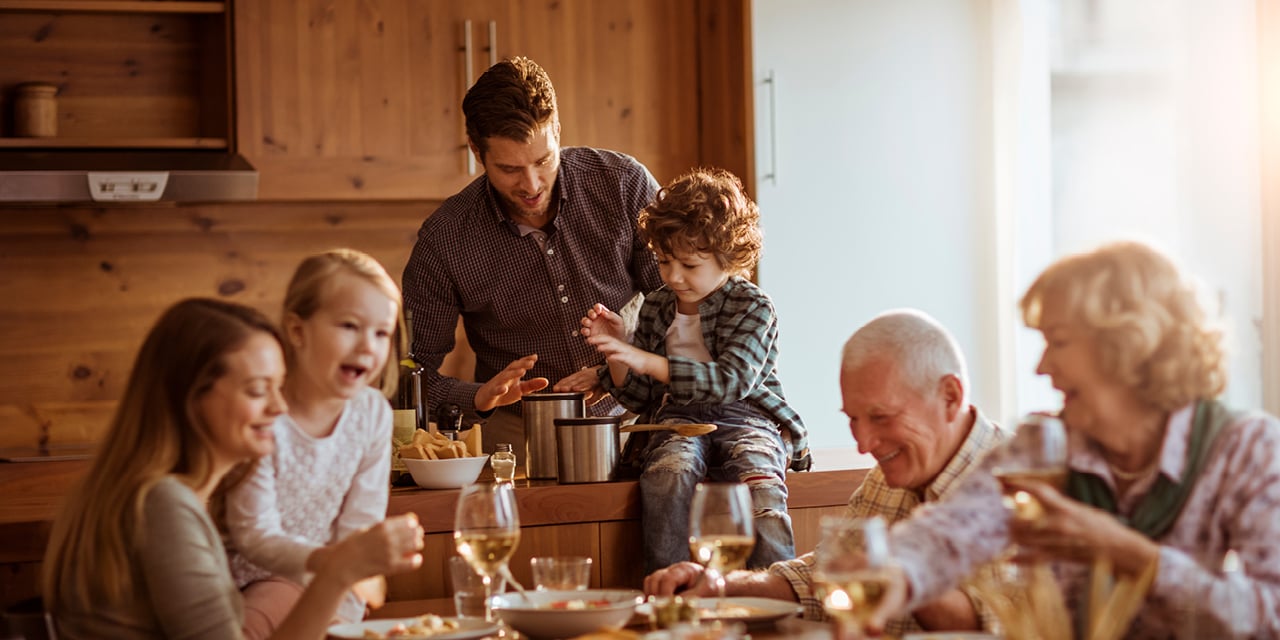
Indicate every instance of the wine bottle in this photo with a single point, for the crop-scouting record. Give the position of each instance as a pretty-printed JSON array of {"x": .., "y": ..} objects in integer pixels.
[{"x": 408, "y": 405}]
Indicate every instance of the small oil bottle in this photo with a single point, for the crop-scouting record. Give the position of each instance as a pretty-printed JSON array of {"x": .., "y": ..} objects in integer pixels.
[{"x": 503, "y": 462}]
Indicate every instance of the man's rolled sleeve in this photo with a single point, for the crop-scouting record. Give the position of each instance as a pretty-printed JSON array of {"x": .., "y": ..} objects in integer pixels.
[{"x": 799, "y": 574}]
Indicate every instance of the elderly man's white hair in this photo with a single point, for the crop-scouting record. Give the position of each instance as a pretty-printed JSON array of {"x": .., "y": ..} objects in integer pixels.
[{"x": 922, "y": 347}]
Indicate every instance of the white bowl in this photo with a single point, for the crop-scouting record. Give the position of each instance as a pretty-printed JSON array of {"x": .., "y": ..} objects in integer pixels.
[
  {"x": 450, "y": 473},
  {"x": 544, "y": 614}
]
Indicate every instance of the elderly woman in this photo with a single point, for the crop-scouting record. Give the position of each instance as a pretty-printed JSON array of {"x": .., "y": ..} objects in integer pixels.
[{"x": 1160, "y": 471}]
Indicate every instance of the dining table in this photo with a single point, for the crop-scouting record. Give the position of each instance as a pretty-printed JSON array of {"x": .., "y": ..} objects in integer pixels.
[{"x": 790, "y": 627}]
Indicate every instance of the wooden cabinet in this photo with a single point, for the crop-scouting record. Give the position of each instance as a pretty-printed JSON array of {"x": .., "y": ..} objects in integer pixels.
[
  {"x": 129, "y": 74},
  {"x": 363, "y": 100}
]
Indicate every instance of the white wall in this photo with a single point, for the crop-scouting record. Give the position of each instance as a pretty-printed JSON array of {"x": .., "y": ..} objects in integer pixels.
[
  {"x": 924, "y": 159},
  {"x": 884, "y": 190}
]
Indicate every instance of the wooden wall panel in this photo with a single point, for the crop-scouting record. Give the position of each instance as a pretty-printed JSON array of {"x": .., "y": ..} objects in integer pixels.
[
  {"x": 804, "y": 524},
  {"x": 431, "y": 580},
  {"x": 83, "y": 285},
  {"x": 726, "y": 113},
  {"x": 363, "y": 100},
  {"x": 622, "y": 542}
]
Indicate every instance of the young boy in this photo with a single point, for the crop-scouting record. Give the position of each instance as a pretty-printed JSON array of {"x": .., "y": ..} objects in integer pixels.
[{"x": 705, "y": 352}]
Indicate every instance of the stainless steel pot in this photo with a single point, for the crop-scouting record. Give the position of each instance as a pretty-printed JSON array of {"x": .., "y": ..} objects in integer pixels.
[
  {"x": 588, "y": 447},
  {"x": 540, "y": 410}
]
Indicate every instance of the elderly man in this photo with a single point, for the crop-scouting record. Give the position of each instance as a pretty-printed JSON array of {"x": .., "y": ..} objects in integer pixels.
[{"x": 904, "y": 386}]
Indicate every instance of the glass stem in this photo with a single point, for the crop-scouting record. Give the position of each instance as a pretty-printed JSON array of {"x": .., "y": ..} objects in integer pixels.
[{"x": 488, "y": 598}]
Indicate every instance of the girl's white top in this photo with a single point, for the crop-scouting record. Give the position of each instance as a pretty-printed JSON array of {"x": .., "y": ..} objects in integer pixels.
[{"x": 312, "y": 492}]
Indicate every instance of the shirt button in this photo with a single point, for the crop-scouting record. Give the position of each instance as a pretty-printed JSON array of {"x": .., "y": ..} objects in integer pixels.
[
  {"x": 551, "y": 251},
  {"x": 564, "y": 299},
  {"x": 560, "y": 288}
]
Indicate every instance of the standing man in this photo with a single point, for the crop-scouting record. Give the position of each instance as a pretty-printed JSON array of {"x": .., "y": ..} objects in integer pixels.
[
  {"x": 520, "y": 253},
  {"x": 904, "y": 386}
]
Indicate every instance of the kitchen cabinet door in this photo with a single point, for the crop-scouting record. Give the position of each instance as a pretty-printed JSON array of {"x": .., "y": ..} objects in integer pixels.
[
  {"x": 363, "y": 100},
  {"x": 874, "y": 153},
  {"x": 128, "y": 75},
  {"x": 625, "y": 72}
]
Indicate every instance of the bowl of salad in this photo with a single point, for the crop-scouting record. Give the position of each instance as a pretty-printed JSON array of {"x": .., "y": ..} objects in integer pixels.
[{"x": 564, "y": 614}]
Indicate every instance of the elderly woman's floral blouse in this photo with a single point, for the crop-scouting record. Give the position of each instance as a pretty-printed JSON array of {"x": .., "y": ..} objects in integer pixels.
[{"x": 1235, "y": 505}]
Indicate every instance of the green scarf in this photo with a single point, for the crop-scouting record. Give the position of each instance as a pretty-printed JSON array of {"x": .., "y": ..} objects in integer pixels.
[{"x": 1160, "y": 507}]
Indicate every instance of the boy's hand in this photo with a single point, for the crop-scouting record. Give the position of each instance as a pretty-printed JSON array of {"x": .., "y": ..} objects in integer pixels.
[
  {"x": 600, "y": 321},
  {"x": 585, "y": 380},
  {"x": 617, "y": 351}
]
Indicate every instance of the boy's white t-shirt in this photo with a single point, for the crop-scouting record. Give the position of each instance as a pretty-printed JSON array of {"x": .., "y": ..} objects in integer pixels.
[
  {"x": 312, "y": 492},
  {"x": 684, "y": 338}
]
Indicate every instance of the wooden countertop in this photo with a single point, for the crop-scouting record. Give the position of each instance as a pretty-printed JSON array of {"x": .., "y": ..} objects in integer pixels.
[
  {"x": 543, "y": 502},
  {"x": 31, "y": 494}
]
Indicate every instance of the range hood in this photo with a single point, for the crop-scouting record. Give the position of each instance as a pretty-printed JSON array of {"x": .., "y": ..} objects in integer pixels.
[{"x": 126, "y": 176}]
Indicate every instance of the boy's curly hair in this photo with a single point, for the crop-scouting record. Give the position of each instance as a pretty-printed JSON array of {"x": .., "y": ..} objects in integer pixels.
[{"x": 705, "y": 211}]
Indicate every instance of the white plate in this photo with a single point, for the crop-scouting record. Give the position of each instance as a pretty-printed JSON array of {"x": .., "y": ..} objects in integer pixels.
[
  {"x": 757, "y": 609},
  {"x": 949, "y": 635},
  {"x": 468, "y": 629}
]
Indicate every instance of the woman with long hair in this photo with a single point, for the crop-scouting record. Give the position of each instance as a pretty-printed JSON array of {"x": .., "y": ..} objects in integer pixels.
[{"x": 134, "y": 553}]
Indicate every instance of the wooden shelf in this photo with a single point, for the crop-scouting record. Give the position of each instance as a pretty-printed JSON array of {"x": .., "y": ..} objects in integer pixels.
[
  {"x": 112, "y": 6},
  {"x": 113, "y": 143}
]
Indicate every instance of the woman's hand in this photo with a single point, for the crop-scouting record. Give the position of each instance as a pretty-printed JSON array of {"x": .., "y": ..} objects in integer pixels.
[
  {"x": 373, "y": 591},
  {"x": 391, "y": 546},
  {"x": 508, "y": 387},
  {"x": 1070, "y": 530}
]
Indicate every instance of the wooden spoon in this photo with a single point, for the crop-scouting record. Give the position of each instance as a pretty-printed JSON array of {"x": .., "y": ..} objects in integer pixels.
[{"x": 681, "y": 429}]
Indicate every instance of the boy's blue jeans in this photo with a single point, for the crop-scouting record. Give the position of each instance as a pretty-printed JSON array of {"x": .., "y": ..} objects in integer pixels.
[{"x": 744, "y": 448}]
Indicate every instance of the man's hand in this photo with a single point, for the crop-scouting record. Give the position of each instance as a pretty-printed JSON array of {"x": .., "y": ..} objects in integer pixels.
[
  {"x": 507, "y": 387},
  {"x": 678, "y": 579},
  {"x": 585, "y": 381}
]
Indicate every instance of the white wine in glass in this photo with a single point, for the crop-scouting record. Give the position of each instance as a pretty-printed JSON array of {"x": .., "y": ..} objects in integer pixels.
[
  {"x": 721, "y": 532},
  {"x": 486, "y": 531},
  {"x": 851, "y": 568},
  {"x": 1036, "y": 453}
]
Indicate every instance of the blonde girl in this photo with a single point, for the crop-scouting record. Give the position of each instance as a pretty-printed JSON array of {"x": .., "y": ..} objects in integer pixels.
[
  {"x": 134, "y": 553},
  {"x": 329, "y": 476}
]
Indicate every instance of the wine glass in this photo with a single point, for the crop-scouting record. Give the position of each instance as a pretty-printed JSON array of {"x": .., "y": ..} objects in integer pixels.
[
  {"x": 1037, "y": 453},
  {"x": 851, "y": 568},
  {"x": 486, "y": 529},
  {"x": 721, "y": 533}
]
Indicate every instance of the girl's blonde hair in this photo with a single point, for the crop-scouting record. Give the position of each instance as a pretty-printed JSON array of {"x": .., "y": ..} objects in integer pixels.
[
  {"x": 1151, "y": 331},
  {"x": 156, "y": 431},
  {"x": 310, "y": 284}
]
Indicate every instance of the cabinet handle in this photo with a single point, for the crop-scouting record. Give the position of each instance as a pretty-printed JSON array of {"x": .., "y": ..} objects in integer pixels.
[
  {"x": 468, "y": 70},
  {"x": 493, "y": 42},
  {"x": 772, "y": 176}
]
